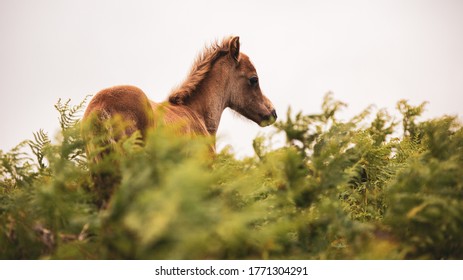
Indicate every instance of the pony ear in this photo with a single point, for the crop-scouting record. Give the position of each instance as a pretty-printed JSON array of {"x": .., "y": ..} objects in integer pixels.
[{"x": 235, "y": 48}]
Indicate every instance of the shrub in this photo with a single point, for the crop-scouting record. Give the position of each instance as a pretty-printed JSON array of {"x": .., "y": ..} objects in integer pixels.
[{"x": 335, "y": 190}]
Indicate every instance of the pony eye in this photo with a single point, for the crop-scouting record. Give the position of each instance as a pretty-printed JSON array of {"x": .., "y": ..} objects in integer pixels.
[{"x": 253, "y": 81}]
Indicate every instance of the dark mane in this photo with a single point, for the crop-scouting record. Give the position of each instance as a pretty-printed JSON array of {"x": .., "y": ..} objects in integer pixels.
[{"x": 199, "y": 70}]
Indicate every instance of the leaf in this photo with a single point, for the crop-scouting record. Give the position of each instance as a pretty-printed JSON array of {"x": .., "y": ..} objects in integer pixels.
[{"x": 415, "y": 210}]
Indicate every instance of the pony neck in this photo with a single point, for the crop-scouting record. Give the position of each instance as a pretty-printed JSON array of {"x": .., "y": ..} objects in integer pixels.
[{"x": 208, "y": 103}]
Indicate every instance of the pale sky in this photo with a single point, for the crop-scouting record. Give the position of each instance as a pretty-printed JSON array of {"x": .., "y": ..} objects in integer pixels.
[{"x": 365, "y": 52}]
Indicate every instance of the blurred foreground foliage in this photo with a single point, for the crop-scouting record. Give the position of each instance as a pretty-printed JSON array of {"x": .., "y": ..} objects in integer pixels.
[{"x": 355, "y": 189}]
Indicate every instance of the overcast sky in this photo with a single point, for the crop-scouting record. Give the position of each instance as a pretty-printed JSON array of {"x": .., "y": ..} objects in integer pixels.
[{"x": 366, "y": 52}]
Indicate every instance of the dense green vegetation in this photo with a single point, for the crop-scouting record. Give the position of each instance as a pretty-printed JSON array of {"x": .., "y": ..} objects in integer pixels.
[{"x": 373, "y": 187}]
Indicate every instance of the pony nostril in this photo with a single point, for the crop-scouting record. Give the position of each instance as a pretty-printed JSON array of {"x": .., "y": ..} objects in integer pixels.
[
  {"x": 274, "y": 114},
  {"x": 268, "y": 119}
]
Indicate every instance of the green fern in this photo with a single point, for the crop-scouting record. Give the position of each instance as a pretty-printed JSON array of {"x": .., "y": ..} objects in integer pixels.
[
  {"x": 338, "y": 189},
  {"x": 69, "y": 115},
  {"x": 16, "y": 168},
  {"x": 410, "y": 114},
  {"x": 38, "y": 146},
  {"x": 72, "y": 142}
]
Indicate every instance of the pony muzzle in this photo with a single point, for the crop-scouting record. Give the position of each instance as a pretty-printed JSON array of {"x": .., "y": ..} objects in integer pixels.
[{"x": 269, "y": 119}]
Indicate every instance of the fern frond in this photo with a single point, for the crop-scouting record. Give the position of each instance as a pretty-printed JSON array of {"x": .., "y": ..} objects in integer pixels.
[
  {"x": 38, "y": 146},
  {"x": 69, "y": 115},
  {"x": 16, "y": 169}
]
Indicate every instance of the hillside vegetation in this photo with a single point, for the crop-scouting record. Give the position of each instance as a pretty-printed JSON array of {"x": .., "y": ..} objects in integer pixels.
[{"x": 372, "y": 187}]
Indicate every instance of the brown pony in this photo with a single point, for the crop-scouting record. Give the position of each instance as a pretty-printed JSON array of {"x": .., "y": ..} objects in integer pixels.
[{"x": 221, "y": 77}]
